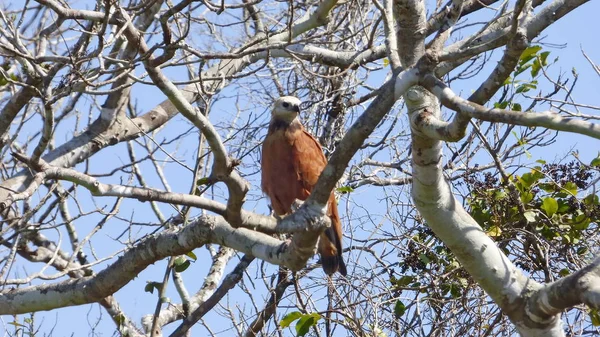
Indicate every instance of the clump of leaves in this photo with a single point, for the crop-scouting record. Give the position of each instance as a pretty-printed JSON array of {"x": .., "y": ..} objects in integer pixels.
[
  {"x": 531, "y": 62},
  {"x": 427, "y": 261},
  {"x": 553, "y": 196},
  {"x": 550, "y": 194},
  {"x": 557, "y": 211}
]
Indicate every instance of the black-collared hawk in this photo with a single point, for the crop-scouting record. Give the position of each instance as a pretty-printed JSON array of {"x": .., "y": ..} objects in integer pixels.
[{"x": 292, "y": 161}]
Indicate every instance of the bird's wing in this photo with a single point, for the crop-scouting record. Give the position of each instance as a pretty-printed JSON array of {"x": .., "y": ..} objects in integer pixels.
[
  {"x": 309, "y": 162},
  {"x": 278, "y": 173}
]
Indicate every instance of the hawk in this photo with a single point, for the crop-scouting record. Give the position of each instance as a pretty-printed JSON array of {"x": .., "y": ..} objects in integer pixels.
[{"x": 292, "y": 161}]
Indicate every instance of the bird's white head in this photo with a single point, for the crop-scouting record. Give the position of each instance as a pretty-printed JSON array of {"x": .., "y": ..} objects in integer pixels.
[{"x": 286, "y": 108}]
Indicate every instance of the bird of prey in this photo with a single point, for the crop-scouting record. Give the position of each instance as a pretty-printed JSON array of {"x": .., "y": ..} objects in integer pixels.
[{"x": 292, "y": 161}]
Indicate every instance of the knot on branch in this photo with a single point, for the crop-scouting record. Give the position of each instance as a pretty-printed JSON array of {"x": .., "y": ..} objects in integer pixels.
[
  {"x": 37, "y": 165},
  {"x": 519, "y": 41},
  {"x": 4, "y": 205},
  {"x": 428, "y": 62},
  {"x": 323, "y": 19},
  {"x": 233, "y": 163},
  {"x": 418, "y": 98},
  {"x": 149, "y": 194}
]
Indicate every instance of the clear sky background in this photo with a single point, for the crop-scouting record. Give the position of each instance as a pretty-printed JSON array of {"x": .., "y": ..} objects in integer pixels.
[{"x": 577, "y": 31}]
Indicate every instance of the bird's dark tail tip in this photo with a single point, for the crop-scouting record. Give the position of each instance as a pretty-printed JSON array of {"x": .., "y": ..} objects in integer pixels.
[
  {"x": 331, "y": 253},
  {"x": 333, "y": 263}
]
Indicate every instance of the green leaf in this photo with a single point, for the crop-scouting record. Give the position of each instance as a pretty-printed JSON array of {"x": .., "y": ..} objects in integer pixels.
[
  {"x": 544, "y": 58},
  {"x": 595, "y": 162},
  {"x": 582, "y": 250},
  {"x": 424, "y": 258},
  {"x": 528, "y": 179},
  {"x": 404, "y": 281},
  {"x": 386, "y": 62},
  {"x": 522, "y": 68},
  {"x": 345, "y": 189},
  {"x": 591, "y": 199},
  {"x": 535, "y": 68},
  {"x": 562, "y": 194},
  {"x": 179, "y": 260},
  {"x": 499, "y": 195},
  {"x": 150, "y": 286},
  {"x": 582, "y": 222},
  {"x": 202, "y": 181},
  {"x": 537, "y": 173},
  {"x": 571, "y": 187},
  {"x": 192, "y": 256},
  {"x": 525, "y": 87},
  {"x": 550, "y": 206},
  {"x": 529, "y": 52},
  {"x": 494, "y": 231},
  {"x": 399, "y": 309},
  {"x": 289, "y": 318},
  {"x": 455, "y": 290},
  {"x": 595, "y": 317},
  {"x": 517, "y": 107},
  {"x": 306, "y": 322},
  {"x": 526, "y": 197},
  {"x": 501, "y": 105},
  {"x": 530, "y": 216},
  {"x": 564, "y": 272},
  {"x": 15, "y": 323},
  {"x": 418, "y": 285},
  {"x": 547, "y": 187},
  {"x": 563, "y": 207},
  {"x": 181, "y": 267}
]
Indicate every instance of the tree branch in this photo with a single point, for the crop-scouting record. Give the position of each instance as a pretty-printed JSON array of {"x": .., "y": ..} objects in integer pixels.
[
  {"x": 547, "y": 119},
  {"x": 583, "y": 286}
]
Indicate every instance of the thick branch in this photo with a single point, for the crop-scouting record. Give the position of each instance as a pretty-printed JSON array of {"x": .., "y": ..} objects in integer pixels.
[
  {"x": 14, "y": 105},
  {"x": 206, "y": 229},
  {"x": 412, "y": 25},
  {"x": 547, "y": 119},
  {"x": 476, "y": 251},
  {"x": 582, "y": 286}
]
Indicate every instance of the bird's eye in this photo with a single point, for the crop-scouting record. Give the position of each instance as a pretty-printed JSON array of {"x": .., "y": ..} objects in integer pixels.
[{"x": 286, "y": 104}]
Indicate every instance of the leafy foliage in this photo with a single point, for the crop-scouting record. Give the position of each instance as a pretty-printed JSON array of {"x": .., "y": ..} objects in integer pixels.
[
  {"x": 557, "y": 209},
  {"x": 303, "y": 321},
  {"x": 559, "y": 212}
]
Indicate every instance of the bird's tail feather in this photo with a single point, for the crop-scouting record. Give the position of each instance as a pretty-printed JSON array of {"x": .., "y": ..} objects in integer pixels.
[{"x": 331, "y": 253}]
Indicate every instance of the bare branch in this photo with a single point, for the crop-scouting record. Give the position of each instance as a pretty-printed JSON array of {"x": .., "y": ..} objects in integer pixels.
[{"x": 547, "y": 119}]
